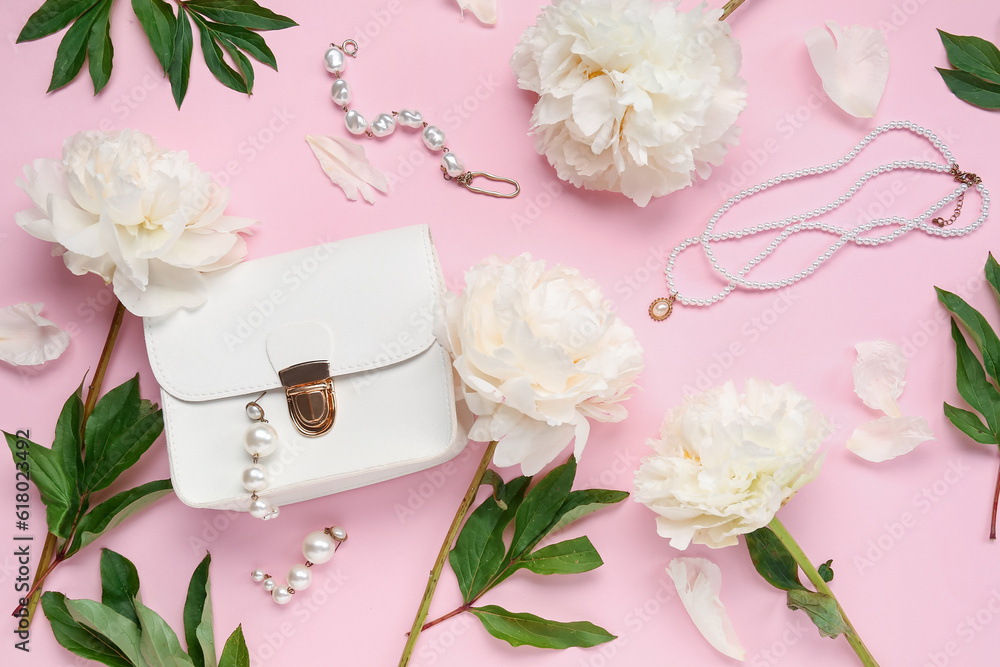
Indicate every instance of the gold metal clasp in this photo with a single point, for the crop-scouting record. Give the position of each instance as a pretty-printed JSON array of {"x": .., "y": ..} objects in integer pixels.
[
  {"x": 465, "y": 180},
  {"x": 312, "y": 402},
  {"x": 965, "y": 177}
]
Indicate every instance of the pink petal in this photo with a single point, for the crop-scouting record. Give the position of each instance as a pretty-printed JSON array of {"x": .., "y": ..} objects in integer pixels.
[
  {"x": 345, "y": 163},
  {"x": 853, "y": 64},
  {"x": 26, "y": 339},
  {"x": 484, "y": 10},
  {"x": 878, "y": 375},
  {"x": 889, "y": 437}
]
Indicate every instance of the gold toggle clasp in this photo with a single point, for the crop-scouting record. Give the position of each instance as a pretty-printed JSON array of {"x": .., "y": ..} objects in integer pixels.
[{"x": 465, "y": 180}]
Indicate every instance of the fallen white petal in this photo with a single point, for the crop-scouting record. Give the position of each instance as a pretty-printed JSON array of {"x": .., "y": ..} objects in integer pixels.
[
  {"x": 485, "y": 10},
  {"x": 698, "y": 583},
  {"x": 889, "y": 437},
  {"x": 853, "y": 63},
  {"x": 878, "y": 375},
  {"x": 27, "y": 339},
  {"x": 345, "y": 163}
]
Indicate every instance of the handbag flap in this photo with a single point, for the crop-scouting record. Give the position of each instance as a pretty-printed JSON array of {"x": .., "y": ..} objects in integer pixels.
[{"x": 377, "y": 294}]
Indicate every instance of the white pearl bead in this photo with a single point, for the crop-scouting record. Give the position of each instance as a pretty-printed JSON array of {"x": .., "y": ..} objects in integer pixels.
[
  {"x": 383, "y": 125},
  {"x": 433, "y": 138},
  {"x": 334, "y": 59},
  {"x": 409, "y": 118},
  {"x": 255, "y": 478},
  {"x": 338, "y": 533},
  {"x": 453, "y": 166},
  {"x": 355, "y": 122},
  {"x": 269, "y": 584},
  {"x": 257, "y": 575},
  {"x": 299, "y": 577},
  {"x": 255, "y": 412},
  {"x": 317, "y": 547},
  {"x": 260, "y": 439},
  {"x": 340, "y": 92},
  {"x": 259, "y": 508},
  {"x": 281, "y": 595}
]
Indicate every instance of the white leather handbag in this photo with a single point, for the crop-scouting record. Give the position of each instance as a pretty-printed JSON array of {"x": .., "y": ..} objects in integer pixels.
[{"x": 339, "y": 339}]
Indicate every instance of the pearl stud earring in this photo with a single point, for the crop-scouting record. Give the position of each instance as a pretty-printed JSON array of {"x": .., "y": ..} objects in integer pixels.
[
  {"x": 260, "y": 440},
  {"x": 318, "y": 547}
]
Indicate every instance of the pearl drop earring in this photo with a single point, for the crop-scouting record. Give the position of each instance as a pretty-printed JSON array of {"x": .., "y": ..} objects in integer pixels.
[
  {"x": 384, "y": 124},
  {"x": 260, "y": 440},
  {"x": 318, "y": 547}
]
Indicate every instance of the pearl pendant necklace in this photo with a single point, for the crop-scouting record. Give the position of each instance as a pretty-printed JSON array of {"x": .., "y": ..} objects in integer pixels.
[
  {"x": 662, "y": 308},
  {"x": 384, "y": 124}
]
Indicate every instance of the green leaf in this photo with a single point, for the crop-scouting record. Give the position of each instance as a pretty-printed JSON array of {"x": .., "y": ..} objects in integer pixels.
[
  {"x": 119, "y": 584},
  {"x": 246, "y": 67},
  {"x": 825, "y": 571},
  {"x": 215, "y": 60},
  {"x": 568, "y": 557},
  {"x": 978, "y": 327},
  {"x": 100, "y": 51},
  {"x": 235, "y": 653},
  {"x": 57, "y": 490},
  {"x": 970, "y": 424},
  {"x": 531, "y": 630},
  {"x": 198, "y": 617},
  {"x": 67, "y": 444},
  {"x": 772, "y": 560},
  {"x": 583, "y": 502},
  {"x": 972, "y": 383},
  {"x": 479, "y": 551},
  {"x": 993, "y": 276},
  {"x": 72, "y": 52},
  {"x": 180, "y": 65},
  {"x": 970, "y": 88},
  {"x": 159, "y": 644},
  {"x": 78, "y": 639},
  {"x": 159, "y": 24},
  {"x": 540, "y": 509},
  {"x": 973, "y": 55},
  {"x": 120, "y": 436},
  {"x": 491, "y": 478},
  {"x": 245, "y": 13},
  {"x": 253, "y": 44},
  {"x": 104, "y": 620},
  {"x": 822, "y": 610},
  {"x": 116, "y": 509},
  {"x": 53, "y": 16}
]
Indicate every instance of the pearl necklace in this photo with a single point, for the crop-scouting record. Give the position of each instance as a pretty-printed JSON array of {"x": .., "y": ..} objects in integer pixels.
[
  {"x": 384, "y": 124},
  {"x": 661, "y": 308}
]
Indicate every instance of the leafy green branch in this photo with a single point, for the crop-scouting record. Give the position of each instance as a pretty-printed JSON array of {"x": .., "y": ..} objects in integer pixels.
[
  {"x": 227, "y": 28},
  {"x": 482, "y": 558},
  {"x": 121, "y": 631},
  {"x": 976, "y": 77},
  {"x": 971, "y": 373}
]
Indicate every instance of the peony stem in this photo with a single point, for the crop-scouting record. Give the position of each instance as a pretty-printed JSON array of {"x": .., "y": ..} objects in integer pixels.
[
  {"x": 814, "y": 576},
  {"x": 45, "y": 564},
  {"x": 435, "y": 574},
  {"x": 729, "y": 8},
  {"x": 996, "y": 499}
]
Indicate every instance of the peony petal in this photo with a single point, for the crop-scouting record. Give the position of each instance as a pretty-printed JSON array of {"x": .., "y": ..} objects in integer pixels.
[
  {"x": 27, "y": 339},
  {"x": 484, "y": 10},
  {"x": 345, "y": 163},
  {"x": 878, "y": 375},
  {"x": 168, "y": 289},
  {"x": 698, "y": 583},
  {"x": 889, "y": 437},
  {"x": 853, "y": 64}
]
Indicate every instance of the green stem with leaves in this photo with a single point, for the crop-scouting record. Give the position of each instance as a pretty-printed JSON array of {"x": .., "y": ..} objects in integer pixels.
[
  {"x": 449, "y": 540},
  {"x": 49, "y": 559},
  {"x": 996, "y": 500},
  {"x": 814, "y": 576},
  {"x": 729, "y": 8}
]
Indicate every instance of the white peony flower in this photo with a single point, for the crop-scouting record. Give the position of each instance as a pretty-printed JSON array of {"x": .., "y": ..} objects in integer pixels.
[
  {"x": 726, "y": 462},
  {"x": 635, "y": 96},
  {"x": 27, "y": 338},
  {"x": 538, "y": 351},
  {"x": 148, "y": 221}
]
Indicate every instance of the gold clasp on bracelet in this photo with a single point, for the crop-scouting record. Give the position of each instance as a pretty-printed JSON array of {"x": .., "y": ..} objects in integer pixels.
[{"x": 465, "y": 180}]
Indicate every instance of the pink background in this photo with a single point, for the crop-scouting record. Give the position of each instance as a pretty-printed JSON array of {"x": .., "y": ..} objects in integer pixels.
[{"x": 914, "y": 591}]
